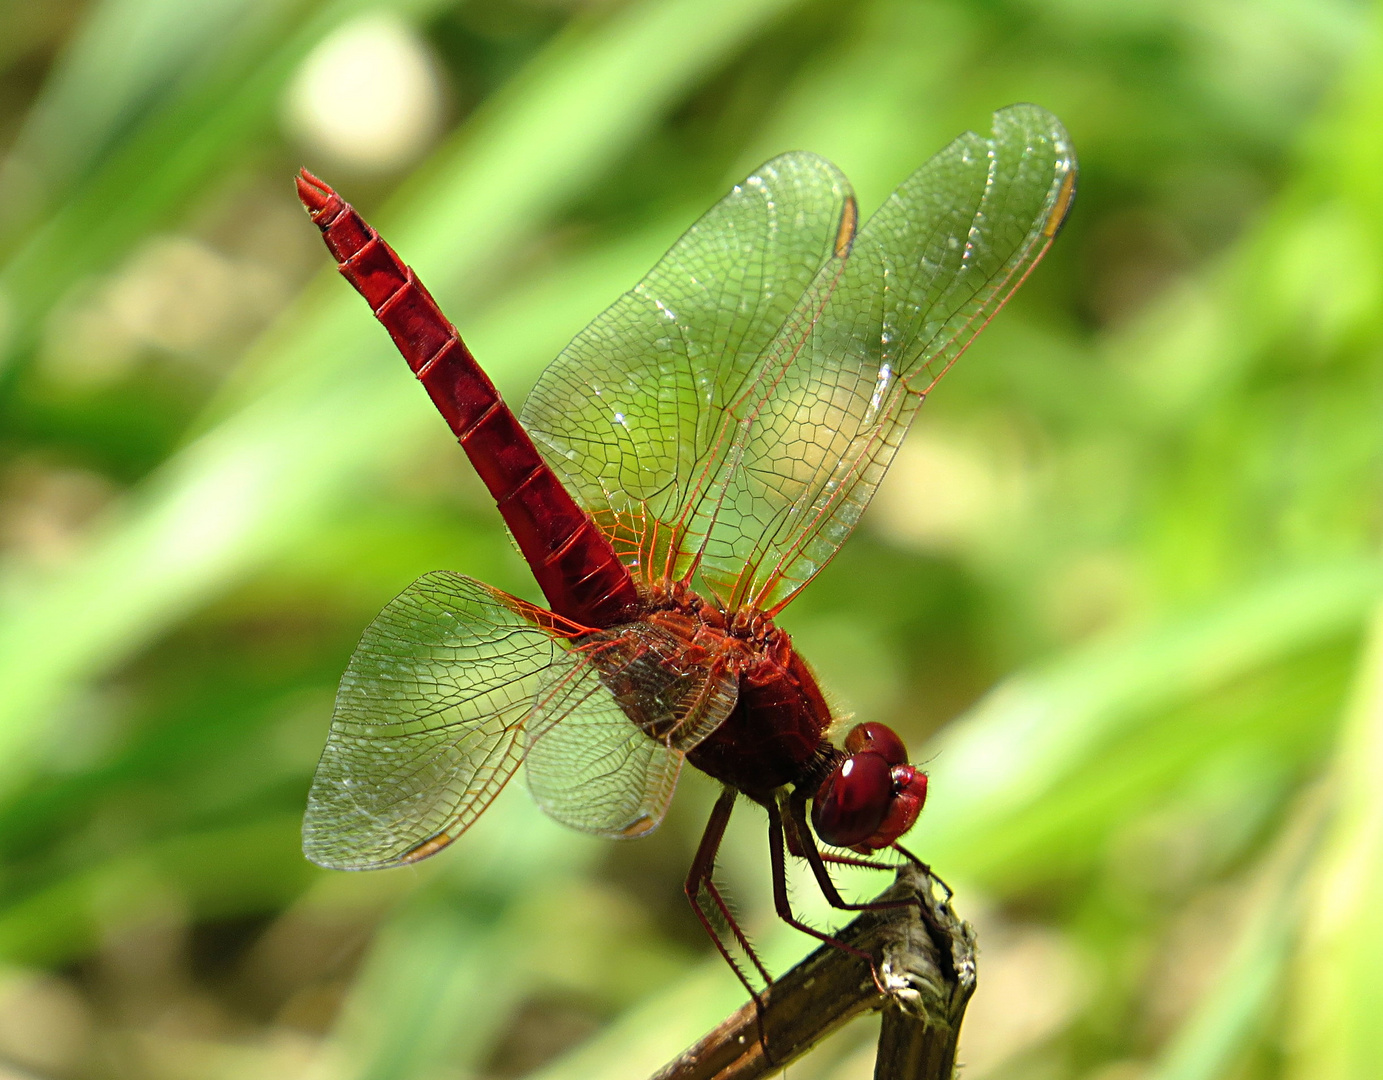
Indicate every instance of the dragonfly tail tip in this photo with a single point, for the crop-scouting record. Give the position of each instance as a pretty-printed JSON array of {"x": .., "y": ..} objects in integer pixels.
[{"x": 314, "y": 194}]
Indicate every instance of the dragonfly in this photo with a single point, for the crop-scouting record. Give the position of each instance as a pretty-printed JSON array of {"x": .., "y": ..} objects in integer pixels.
[{"x": 678, "y": 474}]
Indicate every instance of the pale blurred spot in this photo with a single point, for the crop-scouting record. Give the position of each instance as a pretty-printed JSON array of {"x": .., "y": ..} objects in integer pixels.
[
  {"x": 175, "y": 295},
  {"x": 936, "y": 496},
  {"x": 1031, "y": 986},
  {"x": 369, "y": 97},
  {"x": 45, "y": 511},
  {"x": 44, "y": 1022},
  {"x": 273, "y": 1055},
  {"x": 1095, "y": 591},
  {"x": 953, "y": 489}
]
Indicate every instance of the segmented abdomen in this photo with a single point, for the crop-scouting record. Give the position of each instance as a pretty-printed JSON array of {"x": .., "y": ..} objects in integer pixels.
[{"x": 572, "y": 559}]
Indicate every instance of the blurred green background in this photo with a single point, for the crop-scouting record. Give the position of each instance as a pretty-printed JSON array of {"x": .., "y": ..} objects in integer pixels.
[{"x": 1120, "y": 589}]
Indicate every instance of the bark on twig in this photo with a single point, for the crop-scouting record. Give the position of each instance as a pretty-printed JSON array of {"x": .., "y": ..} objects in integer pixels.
[{"x": 926, "y": 960}]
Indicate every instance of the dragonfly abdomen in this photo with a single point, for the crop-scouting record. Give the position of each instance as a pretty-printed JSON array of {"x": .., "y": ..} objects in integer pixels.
[{"x": 573, "y": 561}]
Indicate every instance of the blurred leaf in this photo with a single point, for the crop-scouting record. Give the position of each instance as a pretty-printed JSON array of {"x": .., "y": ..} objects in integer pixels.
[
  {"x": 1026, "y": 738},
  {"x": 1234, "y": 1010},
  {"x": 125, "y": 53},
  {"x": 190, "y": 135},
  {"x": 1338, "y": 991}
]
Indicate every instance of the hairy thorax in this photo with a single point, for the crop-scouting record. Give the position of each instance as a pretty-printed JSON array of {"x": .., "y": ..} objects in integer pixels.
[{"x": 687, "y": 663}]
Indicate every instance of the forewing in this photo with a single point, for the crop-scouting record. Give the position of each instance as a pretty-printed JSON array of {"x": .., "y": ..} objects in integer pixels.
[
  {"x": 427, "y": 721},
  {"x": 802, "y": 451},
  {"x": 605, "y": 747},
  {"x": 629, "y": 413}
]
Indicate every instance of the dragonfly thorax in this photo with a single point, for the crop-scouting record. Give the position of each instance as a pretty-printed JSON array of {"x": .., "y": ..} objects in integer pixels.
[
  {"x": 746, "y": 624},
  {"x": 688, "y": 654},
  {"x": 775, "y": 732}
]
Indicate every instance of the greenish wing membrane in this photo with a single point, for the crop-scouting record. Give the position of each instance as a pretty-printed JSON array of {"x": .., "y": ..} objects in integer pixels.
[
  {"x": 731, "y": 417},
  {"x": 629, "y": 413},
  {"x": 425, "y": 731},
  {"x": 808, "y": 444},
  {"x": 597, "y": 771},
  {"x": 454, "y": 685},
  {"x": 606, "y": 747}
]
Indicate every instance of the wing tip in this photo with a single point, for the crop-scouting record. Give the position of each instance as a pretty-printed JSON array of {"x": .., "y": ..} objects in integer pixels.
[
  {"x": 849, "y": 224},
  {"x": 1061, "y": 206},
  {"x": 1038, "y": 122}
]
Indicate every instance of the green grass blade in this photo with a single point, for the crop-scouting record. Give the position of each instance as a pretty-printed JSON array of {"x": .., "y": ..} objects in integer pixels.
[
  {"x": 1338, "y": 993},
  {"x": 123, "y": 57},
  {"x": 1029, "y": 733}
]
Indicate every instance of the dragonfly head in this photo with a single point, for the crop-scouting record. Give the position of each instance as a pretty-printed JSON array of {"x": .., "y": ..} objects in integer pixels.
[{"x": 873, "y": 795}]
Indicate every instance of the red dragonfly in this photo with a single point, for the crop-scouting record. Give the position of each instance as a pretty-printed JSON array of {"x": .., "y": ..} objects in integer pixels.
[{"x": 687, "y": 464}]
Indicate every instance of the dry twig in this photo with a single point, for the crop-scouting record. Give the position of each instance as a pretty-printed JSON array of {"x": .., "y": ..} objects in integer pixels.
[{"x": 926, "y": 959}]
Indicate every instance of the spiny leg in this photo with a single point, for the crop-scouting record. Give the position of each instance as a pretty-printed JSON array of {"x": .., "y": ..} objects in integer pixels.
[
  {"x": 797, "y": 815},
  {"x": 797, "y": 848},
  {"x": 780, "y": 889},
  {"x": 924, "y": 867},
  {"x": 847, "y": 860},
  {"x": 699, "y": 878}
]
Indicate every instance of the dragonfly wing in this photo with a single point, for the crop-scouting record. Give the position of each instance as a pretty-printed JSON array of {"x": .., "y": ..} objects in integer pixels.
[
  {"x": 606, "y": 746},
  {"x": 427, "y": 724},
  {"x": 598, "y": 772},
  {"x": 805, "y": 447},
  {"x": 629, "y": 413}
]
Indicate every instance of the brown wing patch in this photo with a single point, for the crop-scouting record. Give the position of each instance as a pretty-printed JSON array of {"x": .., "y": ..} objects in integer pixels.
[
  {"x": 1062, "y": 206},
  {"x": 849, "y": 221}
]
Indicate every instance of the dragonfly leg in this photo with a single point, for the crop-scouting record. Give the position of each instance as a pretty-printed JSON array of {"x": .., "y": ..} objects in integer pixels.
[
  {"x": 799, "y": 840},
  {"x": 797, "y": 815},
  {"x": 781, "y": 903},
  {"x": 924, "y": 867},
  {"x": 847, "y": 860},
  {"x": 700, "y": 885}
]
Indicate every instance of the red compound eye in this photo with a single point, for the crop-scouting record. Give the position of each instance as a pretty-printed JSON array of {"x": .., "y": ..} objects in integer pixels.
[
  {"x": 909, "y": 793},
  {"x": 853, "y": 800},
  {"x": 879, "y": 739}
]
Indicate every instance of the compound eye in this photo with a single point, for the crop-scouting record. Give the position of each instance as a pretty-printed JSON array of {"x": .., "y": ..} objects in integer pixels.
[
  {"x": 879, "y": 739},
  {"x": 853, "y": 800}
]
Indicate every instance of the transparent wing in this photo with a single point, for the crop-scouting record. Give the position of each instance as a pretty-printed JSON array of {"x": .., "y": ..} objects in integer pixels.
[
  {"x": 454, "y": 683},
  {"x": 761, "y": 459},
  {"x": 628, "y": 413},
  {"x": 606, "y": 747},
  {"x": 802, "y": 452},
  {"x": 597, "y": 771},
  {"x": 427, "y": 721}
]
